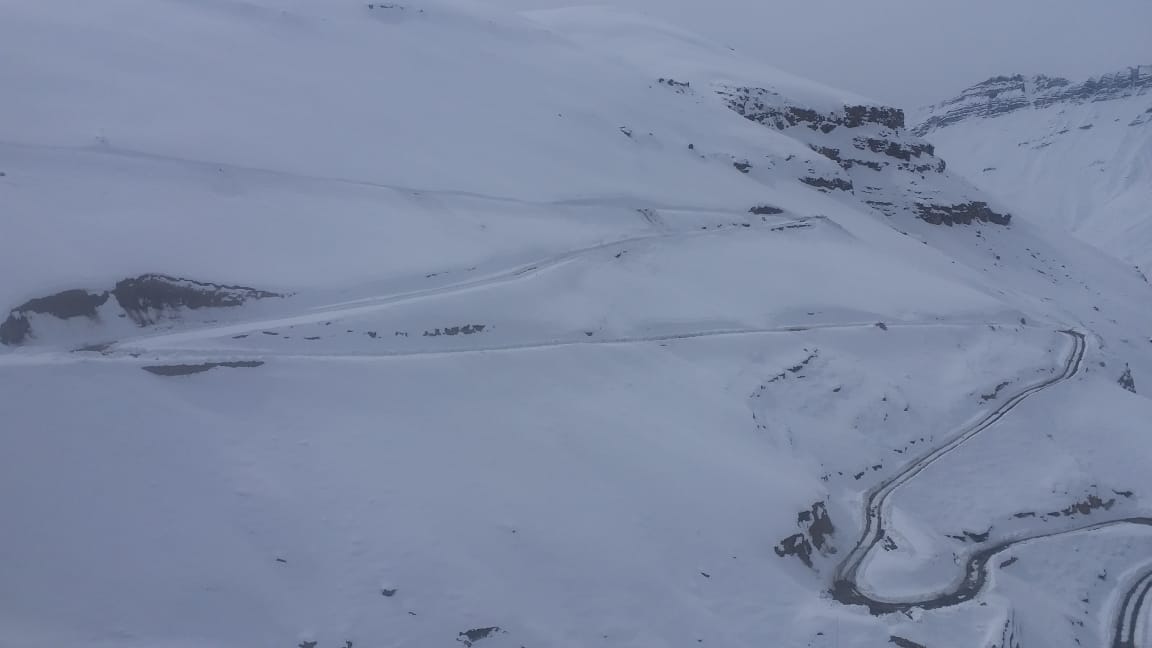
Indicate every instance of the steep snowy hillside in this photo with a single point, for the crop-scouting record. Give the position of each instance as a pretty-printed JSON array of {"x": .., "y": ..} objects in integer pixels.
[
  {"x": 1075, "y": 155},
  {"x": 334, "y": 325}
]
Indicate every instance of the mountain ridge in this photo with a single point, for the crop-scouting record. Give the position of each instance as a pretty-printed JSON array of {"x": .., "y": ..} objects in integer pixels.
[{"x": 1001, "y": 95}]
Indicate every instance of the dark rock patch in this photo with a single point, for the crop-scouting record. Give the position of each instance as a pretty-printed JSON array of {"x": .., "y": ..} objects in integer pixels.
[
  {"x": 995, "y": 392},
  {"x": 839, "y": 184},
  {"x": 145, "y": 299},
  {"x": 816, "y": 533},
  {"x": 978, "y": 537},
  {"x": 467, "y": 329},
  {"x": 871, "y": 164},
  {"x": 469, "y": 637},
  {"x": 766, "y": 107},
  {"x": 893, "y": 149},
  {"x": 1085, "y": 506},
  {"x": 904, "y": 643},
  {"x": 145, "y": 296},
  {"x": 856, "y": 116},
  {"x": 797, "y": 545},
  {"x": 681, "y": 87},
  {"x": 829, "y": 152},
  {"x": 765, "y": 210},
  {"x": 188, "y": 369},
  {"x": 1126, "y": 380},
  {"x": 63, "y": 305},
  {"x": 961, "y": 214}
]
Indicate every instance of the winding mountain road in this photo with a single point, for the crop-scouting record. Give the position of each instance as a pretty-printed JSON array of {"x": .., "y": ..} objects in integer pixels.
[
  {"x": 846, "y": 586},
  {"x": 848, "y": 589}
]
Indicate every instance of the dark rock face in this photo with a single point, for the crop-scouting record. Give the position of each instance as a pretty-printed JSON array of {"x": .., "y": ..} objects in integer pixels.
[
  {"x": 820, "y": 527},
  {"x": 1126, "y": 380},
  {"x": 14, "y": 330},
  {"x": 467, "y": 329},
  {"x": 897, "y": 150},
  {"x": 855, "y": 116},
  {"x": 66, "y": 305},
  {"x": 1085, "y": 506},
  {"x": 828, "y": 183},
  {"x": 817, "y": 530},
  {"x": 469, "y": 637},
  {"x": 145, "y": 295},
  {"x": 796, "y": 545},
  {"x": 829, "y": 152},
  {"x": 189, "y": 369},
  {"x": 765, "y": 210},
  {"x": 1005, "y": 94},
  {"x": 882, "y": 128},
  {"x": 63, "y": 305},
  {"x": 915, "y": 155},
  {"x": 875, "y": 140},
  {"x": 961, "y": 214},
  {"x": 144, "y": 299},
  {"x": 681, "y": 87},
  {"x": 766, "y": 107}
]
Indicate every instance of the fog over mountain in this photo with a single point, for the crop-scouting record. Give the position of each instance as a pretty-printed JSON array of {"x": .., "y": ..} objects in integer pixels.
[{"x": 910, "y": 53}]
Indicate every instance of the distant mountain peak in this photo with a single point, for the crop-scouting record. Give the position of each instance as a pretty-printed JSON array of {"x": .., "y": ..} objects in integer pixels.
[{"x": 1001, "y": 95}]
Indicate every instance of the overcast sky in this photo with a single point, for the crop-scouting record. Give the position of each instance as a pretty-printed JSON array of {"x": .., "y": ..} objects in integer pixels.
[{"x": 914, "y": 52}]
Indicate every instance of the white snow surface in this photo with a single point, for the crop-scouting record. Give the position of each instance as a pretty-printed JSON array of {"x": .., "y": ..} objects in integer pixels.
[{"x": 545, "y": 367}]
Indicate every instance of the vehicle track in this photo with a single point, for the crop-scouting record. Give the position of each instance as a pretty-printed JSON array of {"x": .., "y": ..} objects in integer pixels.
[
  {"x": 517, "y": 273},
  {"x": 1132, "y": 604},
  {"x": 846, "y": 587}
]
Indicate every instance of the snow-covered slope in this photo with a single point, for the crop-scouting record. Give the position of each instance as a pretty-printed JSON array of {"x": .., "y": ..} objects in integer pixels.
[
  {"x": 1074, "y": 155},
  {"x": 344, "y": 324}
]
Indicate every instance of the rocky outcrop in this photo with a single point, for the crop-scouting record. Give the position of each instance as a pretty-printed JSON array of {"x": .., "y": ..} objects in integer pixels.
[
  {"x": 856, "y": 116},
  {"x": 816, "y": 534},
  {"x": 1126, "y": 380},
  {"x": 961, "y": 214},
  {"x": 875, "y": 157},
  {"x": 189, "y": 369},
  {"x": 769, "y": 108},
  {"x": 146, "y": 297},
  {"x": 62, "y": 305},
  {"x": 827, "y": 184},
  {"x": 1001, "y": 95},
  {"x": 881, "y": 142},
  {"x": 145, "y": 300}
]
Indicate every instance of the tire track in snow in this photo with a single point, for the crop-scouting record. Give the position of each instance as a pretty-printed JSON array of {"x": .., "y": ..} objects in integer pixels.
[
  {"x": 369, "y": 305},
  {"x": 1132, "y": 604}
]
